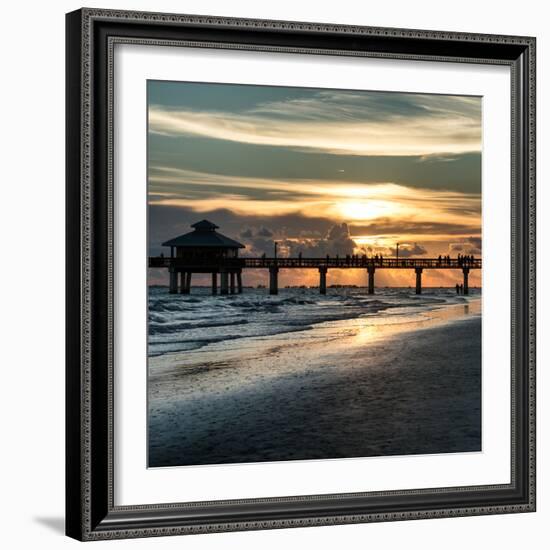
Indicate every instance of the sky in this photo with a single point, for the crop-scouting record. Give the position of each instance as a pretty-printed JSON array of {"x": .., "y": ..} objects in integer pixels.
[{"x": 320, "y": 171}]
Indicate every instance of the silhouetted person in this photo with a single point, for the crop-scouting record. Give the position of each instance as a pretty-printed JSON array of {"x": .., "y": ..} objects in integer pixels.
[
  {"x": 439, "y": 260},
  {"x": 461, "y": 288},
  {"x": 457, "y": 288}
]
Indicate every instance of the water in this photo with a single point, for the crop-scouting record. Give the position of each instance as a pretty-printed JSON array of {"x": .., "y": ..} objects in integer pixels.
[
  {"x": 298, "y": 376},
  {"x": 201, "y": 321}
]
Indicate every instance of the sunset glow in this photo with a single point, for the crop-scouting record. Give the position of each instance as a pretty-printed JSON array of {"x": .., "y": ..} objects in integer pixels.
[{"x": 320, "y": 172}]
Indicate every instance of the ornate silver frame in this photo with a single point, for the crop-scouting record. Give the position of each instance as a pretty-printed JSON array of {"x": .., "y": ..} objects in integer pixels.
[{"x": 91, "y": 38}]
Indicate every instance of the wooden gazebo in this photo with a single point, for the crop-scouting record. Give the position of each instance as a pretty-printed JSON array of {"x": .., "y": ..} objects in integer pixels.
[{"x": 204, "y": 250}]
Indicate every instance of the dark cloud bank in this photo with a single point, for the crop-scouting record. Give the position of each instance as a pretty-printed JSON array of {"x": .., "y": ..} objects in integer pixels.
[{"x": 313, "y": 237}]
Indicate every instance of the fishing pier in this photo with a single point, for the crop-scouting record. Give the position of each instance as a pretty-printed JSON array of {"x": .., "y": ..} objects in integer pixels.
[{"x": 206, "y": 251}]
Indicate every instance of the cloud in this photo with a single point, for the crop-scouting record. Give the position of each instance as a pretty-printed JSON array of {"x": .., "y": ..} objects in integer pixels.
[
  {"x": 396, "y": 227},
  {"x": 296, "y": 230},
  {"x": 469, "y": 245},
  {"x": 371, "y": 105},
  {"x": 474, "y": 242},
  {"x": 250, "y": 232},
  {"x": 313, "y": 236},
  {"x": 257, "y": 240},
  {"x": 348, "y": 123},
  {"x": 408, "y": 250},
  {"x": 265, "y": 232},
  {"x": 343, "y": 201},
  {"x": 405, "y": 250},
  {"x": 336, "y": 241}
]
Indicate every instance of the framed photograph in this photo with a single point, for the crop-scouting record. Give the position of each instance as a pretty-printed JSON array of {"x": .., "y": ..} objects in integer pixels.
[{"x": 300, "y": 274}]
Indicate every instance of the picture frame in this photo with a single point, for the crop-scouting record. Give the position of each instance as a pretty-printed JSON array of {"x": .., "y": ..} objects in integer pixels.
[{"x": 91, "y": 511}]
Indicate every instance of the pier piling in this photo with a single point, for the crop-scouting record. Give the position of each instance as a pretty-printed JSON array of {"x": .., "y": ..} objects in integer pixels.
[
  {"x": 188, "y": 282},
  {"x": 322, "y": 280},
  {"x": 465, "y": 271},
  {"x": 173, "y": 281},
  {"x": 370, "y": 271},
  {"x": 418, "y": 271},
  {"x": 273, "y": 280},
  {"x": 239, "y": 282},
  {"x": 183, "y": 282},
  {"x": 214, "y": 283},
  {"x": 224, "y": 282}
]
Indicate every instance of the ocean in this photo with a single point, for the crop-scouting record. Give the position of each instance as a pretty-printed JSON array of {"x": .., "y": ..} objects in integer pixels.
[
  {"x": 178, "y": 322},
  {"x": 299, "y": 375}
]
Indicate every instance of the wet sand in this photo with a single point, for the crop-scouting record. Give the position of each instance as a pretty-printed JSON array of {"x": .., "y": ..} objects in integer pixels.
[{"x": 409, "y": 384}]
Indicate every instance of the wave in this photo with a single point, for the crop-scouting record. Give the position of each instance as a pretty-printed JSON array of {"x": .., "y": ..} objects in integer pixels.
[
  {"x": 168, "y": 327},
  {"x": 178, "y": 323},
  {"x": 175, "y": 346}
]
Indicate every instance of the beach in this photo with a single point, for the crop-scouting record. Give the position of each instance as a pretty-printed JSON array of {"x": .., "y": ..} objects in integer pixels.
[{"x": 253, "y": 377}]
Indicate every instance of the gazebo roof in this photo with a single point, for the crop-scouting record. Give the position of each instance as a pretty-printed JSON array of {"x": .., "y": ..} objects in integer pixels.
[
  {"x": 205, "y": 225},
  {"x": 204, "y": 235}
]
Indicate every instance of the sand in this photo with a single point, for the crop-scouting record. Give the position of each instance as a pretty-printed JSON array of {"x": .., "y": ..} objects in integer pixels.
[{"x": 344, "y": 389}]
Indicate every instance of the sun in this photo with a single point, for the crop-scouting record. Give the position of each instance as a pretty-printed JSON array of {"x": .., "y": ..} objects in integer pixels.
[{"x": 366, "y": 209}]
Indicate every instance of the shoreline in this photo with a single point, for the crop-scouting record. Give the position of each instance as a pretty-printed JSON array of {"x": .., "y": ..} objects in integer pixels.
[
  {"x": 410, "y": 384},
  {"x": 377, "y": 324}
]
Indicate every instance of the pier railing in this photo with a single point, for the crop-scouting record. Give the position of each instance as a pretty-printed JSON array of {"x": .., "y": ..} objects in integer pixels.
[
  {"x": 230, "y": 269},
  {"x": 362, "y": 262},
  {"x": 351, "y": 262}
]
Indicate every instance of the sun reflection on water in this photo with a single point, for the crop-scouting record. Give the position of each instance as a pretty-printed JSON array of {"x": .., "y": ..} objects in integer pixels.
[{"x": 371, "y": 328}]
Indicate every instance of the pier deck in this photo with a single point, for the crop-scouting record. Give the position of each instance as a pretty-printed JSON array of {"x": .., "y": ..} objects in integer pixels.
[{"x": 230, "y": 268}]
